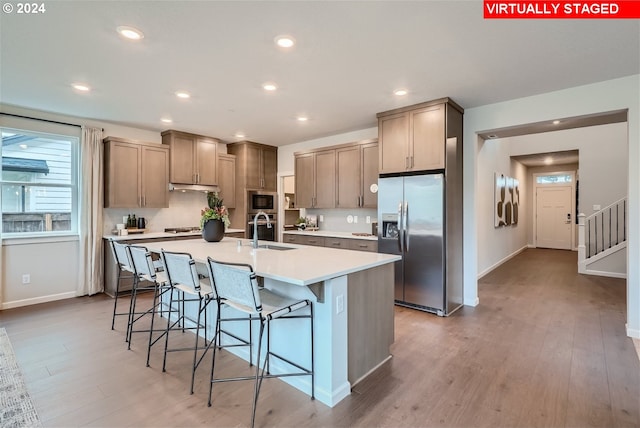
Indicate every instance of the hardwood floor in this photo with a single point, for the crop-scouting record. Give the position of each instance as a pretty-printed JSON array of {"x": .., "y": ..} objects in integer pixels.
[{"x": 545, "y": 347}]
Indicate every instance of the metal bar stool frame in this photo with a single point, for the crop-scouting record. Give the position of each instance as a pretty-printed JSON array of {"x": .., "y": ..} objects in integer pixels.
[
  {"x": 145, "y": 270},
  {"x": 185, "y": 279},
  {"x": 250, "y": 300},
  {"x": 123, "y": 263}
]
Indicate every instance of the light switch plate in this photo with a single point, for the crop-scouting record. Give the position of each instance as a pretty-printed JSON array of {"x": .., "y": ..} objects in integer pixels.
[{"x": 355, "y": 218}]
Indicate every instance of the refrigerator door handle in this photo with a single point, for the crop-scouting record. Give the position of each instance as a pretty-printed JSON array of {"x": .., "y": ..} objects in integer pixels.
[
  {"x": 405, "y": 227},
  {"x": 400, "y": 234}
]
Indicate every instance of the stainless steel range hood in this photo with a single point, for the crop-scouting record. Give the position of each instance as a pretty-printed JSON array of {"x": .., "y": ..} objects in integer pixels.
[{"x": 192, "y": 188}]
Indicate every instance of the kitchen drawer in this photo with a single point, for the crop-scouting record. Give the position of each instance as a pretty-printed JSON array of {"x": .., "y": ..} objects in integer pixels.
[
  {"x": 234, "y": 235},
  {"x": 293, "y": 239},
  {"x": 337, "y": 243},
  {"x": 317, "y": 241},
  {"x": 363, "y": 245}
]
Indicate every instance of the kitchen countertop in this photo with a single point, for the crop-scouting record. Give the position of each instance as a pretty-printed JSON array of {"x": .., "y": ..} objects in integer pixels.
[
  {"x": 161, "y": 235},
  {"x": 302, "y": 265},
  {"x": 330, "y": 234}
]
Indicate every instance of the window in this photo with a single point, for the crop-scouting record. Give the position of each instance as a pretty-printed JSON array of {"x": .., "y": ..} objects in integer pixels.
[
  {"x": 39, "y": 183},
  {"x": 554, "y": 179}
]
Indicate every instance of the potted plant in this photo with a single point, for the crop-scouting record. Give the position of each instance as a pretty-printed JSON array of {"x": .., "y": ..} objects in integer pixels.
[
  {"x": 301, "y": 223},
  {"x": 215, "y": 218}
]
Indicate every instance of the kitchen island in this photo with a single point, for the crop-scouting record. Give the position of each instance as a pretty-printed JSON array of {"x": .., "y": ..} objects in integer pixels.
[{"x": 352, "y": 294}]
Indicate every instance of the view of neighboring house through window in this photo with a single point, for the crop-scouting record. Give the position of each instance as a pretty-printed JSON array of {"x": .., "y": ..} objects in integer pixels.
[{"x": 39, "y": 183}]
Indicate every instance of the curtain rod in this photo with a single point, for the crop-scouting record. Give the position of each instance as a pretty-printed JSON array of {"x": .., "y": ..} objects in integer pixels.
[{"x": 43, "y": 120}]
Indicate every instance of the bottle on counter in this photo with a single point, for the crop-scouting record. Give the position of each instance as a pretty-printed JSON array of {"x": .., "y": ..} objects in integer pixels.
[
  {"x": 134, "y": 222},
  {"x": 129, "y": 221}
]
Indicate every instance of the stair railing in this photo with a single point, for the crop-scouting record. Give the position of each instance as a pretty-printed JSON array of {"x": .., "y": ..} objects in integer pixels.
[{"x": 602, "y": 229}]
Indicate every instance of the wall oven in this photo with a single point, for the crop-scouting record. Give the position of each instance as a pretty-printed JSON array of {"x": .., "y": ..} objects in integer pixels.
[
  {"x": 262, "y": 201},
  {"x": 264, "y": 233}
]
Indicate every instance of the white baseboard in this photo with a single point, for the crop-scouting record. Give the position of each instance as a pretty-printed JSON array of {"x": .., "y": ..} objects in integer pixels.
[
  {"x": 36, "y": 300},
  {"x": 504, "y": 260},
  {"x": 603, "y": 273},
  {"x": 632, "y": 332},
  {"x": 472, "y": 302}
]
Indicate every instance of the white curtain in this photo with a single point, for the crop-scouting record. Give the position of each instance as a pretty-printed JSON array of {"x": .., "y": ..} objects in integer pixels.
[{"x": 90, "y": 280}]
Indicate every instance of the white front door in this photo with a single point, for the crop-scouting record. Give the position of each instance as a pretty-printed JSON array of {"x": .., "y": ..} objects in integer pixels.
[{"x": 553, "y": 217}]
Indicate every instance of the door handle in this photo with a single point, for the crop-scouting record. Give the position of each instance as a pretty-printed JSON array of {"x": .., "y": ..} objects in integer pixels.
[
  {"x": 400, "y": 236},
  {"x": 406, "y": 225}
]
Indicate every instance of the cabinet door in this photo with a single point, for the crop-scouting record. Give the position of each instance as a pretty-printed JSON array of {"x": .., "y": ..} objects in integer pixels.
[
  {"x": 122, "y": 189},
  {"x": 227, "y": 179},
  {"x": 182, "y": 156},
  {"x": 427, "y": 138},
  {"x": 348, "y": 175},
  {"x": 393, "y": 137},
  {"x": 154, "y": 175},
  {"x": 206, "y": 159},
  {"x": 325, "y": 179},
  {"x": 304, "y": 177},
  {"x": 253, "y": 164},
  {"x": 369, "y": 169},
  {"x": 270, "y": 169}
]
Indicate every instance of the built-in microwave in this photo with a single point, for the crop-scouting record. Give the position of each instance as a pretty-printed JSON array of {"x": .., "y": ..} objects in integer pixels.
[{"x": 262, "y": 201}]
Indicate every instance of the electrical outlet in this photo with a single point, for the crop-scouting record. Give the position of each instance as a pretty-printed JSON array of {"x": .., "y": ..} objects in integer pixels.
[
  {"x": 26, "y": 278},
  {"x": 355, "y": 218},
  {"x": 321, "y": 218},
  {"x": 339, "y": 303},
  {"x": 368, "y": 219}
]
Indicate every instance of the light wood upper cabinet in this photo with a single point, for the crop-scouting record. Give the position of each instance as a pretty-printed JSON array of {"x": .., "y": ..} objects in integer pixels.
[
  {"x": 315, "y": 175},
  {"x": 227, "y": 179},
  {"x": 258, "y": 164},
  {"x": 136, "y": 174},
  {"x": 193, "y": 158},
  {"x": 356, "y": 171},
  {"x": 413, "y": 138}
]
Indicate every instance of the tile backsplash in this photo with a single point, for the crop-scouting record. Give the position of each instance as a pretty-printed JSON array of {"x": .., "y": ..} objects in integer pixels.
[
  {"x": 337, "y": 220},
  {"x": 184, "y": 210}
]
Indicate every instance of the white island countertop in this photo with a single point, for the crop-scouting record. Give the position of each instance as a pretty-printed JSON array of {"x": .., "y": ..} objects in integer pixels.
[{"x": 301, "y": 265}]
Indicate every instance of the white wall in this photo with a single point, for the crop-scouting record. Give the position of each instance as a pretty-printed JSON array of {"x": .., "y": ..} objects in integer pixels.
[
  {"x": 600, "y": 97},
  {"x": 498, "y": 243}
]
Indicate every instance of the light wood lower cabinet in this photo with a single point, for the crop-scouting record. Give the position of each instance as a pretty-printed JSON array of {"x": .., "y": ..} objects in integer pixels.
[{"x": 330, "y": 242}]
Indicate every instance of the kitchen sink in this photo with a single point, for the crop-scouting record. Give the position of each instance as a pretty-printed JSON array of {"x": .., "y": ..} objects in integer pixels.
[{"x": 275, "y": 247}]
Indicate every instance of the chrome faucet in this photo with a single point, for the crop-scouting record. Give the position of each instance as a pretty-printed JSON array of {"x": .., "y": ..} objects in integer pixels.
[{"x": 255, "y": 227}]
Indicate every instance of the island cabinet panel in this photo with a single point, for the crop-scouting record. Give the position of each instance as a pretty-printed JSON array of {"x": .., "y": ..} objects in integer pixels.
[
  {"x": 193, "y": 158},
  {"x": 259, "y": 164},
  {"x": 136, "y": 174},
  {"x": 414, "y": 138},
  {"x": 356, "y": 171},
  {"x": 315, "y": 179},
  {"x": 227, "y": 179},
  {"x": 370, "y": 325}
]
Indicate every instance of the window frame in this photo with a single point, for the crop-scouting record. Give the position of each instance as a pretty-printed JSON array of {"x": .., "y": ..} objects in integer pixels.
[{"x": 74, "y": 186}]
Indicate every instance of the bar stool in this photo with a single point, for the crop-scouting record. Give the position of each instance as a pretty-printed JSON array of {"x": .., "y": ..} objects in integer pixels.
[
  {"x": 183, "y": 277},
  {"x": 237, "y": 285},
  {"x": 125, "y": 271},
  {"x": 144, "y": 270}
]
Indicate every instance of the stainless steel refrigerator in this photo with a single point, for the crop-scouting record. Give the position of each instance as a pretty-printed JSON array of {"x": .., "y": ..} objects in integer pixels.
[{"x": 412, "y": 222}]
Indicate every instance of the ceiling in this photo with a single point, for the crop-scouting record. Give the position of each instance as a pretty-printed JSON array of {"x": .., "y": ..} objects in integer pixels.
[{"x": 348, "y": 59}]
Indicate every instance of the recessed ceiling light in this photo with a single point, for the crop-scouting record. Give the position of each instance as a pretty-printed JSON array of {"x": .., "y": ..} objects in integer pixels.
[
  {"x": 400, "y": 92},
  {"x": 302, "y": 118},
  {"x": 183, "y": 94},
  {"x": 81, "y": 87},
  {"x": 285, "y": 41},
  {"x": 130, "y": 33},
  {"x": 23, "y": 146},
  {"x": 269, "y": 86},
  {"x": 239, "y": 135},
  {"x": 555, "y": 122},
  {"x": 492, "y": 136},
  {"x": 166, "y": 120}
]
